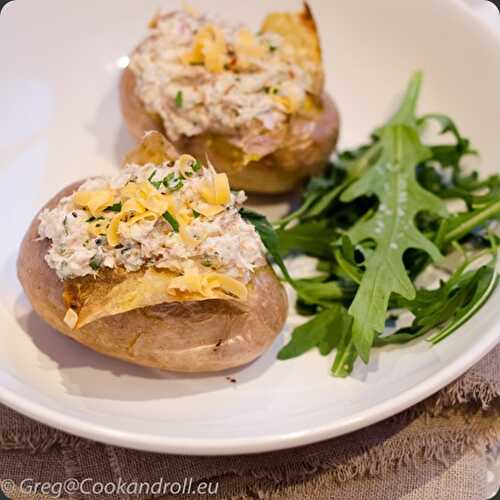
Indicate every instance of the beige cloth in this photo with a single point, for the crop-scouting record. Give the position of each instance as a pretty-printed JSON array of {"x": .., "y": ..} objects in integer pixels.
[{"x": 435, "y": 450}]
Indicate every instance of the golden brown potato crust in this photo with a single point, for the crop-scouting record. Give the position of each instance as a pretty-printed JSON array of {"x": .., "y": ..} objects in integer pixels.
[
  {"x": 182, "y": 336},
  {"x": 306, "y": 147}
]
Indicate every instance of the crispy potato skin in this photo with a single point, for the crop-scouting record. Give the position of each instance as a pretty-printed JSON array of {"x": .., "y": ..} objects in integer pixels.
[
  {"x": 305, "y": 150},
  {"x": 183, "y": 336}
]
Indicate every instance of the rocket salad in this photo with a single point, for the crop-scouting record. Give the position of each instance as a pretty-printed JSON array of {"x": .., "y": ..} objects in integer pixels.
[{"x": 376, "y": 220}]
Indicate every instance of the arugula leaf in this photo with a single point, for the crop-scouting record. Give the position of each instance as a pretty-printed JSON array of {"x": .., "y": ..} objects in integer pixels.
[
  {"x": 322, "y": 292},
  {"x": 343, "y": 363},
  {"x": 326, "y": 330},
  {"x": 322, "y": 192},
  {"x": 336, "y": 336},
  {"x": 448, "y": 154},
  {"x": 394, "y": 182},
  {"x": 316, "y": 189},
  {"x": 458, "y": 226},
  {"x": 449, "y": 305},
  {"x": 406, "y": 113},
  {"x": 268, "y": 236},
  {"x": 310, "y": 334},
  {"x": 270, "y": 240},
  {"x": 344, "y": 255},
  {"x": 483, "y": 282},
  {"x": 375, "y": 219},
  {"x": 312, "y": 237},
  {"x": 358, "y": 161}
]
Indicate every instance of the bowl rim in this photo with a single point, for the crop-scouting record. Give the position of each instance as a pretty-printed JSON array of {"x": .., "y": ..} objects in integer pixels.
[{"x": 482, "y": 11}]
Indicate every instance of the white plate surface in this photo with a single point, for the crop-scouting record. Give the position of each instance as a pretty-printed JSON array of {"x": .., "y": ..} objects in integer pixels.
[{"x": 60, "y": 122}]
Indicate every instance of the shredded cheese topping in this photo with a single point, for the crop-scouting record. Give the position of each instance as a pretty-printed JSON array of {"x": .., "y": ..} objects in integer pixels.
[
  {"x": 71, "y": 318},
  {"x": 204, "y": 75},
  {"x": 178, "y": 216}
]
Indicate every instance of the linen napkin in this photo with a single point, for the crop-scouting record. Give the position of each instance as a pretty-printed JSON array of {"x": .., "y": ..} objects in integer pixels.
[{"x": 434, "y": 450}]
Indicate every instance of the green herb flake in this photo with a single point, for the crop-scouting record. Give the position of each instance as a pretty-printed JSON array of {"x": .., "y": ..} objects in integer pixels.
[
  {"x": 179, "y": 99},
  {"x": 155, "y": 184},
  {"x": 93, "y": 219},
  {"x": 196, "y": 166},
  {"x": 172, "y": 221},
  {"x": 177, "y": 185},
  {"x": 94, "y": 263},
  {"x": 172, "y": 183},
  {"x": 166, "y": 180},
  {"x": 116, "y": 207}
]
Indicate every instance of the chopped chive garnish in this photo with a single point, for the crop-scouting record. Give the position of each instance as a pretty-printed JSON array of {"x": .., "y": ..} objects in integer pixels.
[
  {"x": 92, "y": 219},
  {"x": 116, "y": 207},
  {"x": 195, "y": 213},
  {"x": 176, "y": 185},
  {"x": 178, "y": 99},
  {"x": 156, "y": 184},
  {"x": 271, "y": 89},
  {"x": 171, "y": 182},
  {"x": 171, "y": 220},
  {"x": 166, "y": 180},
  {"x": 94, "y": 263},
  {"x": 196, "y": 166}
]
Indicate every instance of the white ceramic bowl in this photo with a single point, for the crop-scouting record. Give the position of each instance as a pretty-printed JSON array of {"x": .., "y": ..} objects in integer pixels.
[{"x": 60, "y": 121}]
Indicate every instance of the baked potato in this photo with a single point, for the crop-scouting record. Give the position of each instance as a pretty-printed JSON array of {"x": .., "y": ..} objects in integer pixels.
[
  {"x": 156, "y": 288},
  {"x": 255, "y": 104}
]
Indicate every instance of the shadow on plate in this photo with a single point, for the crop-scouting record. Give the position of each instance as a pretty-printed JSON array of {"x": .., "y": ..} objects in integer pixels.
[{"x": 84, "y": 372}]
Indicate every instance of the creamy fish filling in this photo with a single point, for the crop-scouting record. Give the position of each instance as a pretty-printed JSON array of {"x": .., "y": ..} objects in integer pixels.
[
  {"x": 176, "y": 216},
  {"x": 203, "y": 75}
]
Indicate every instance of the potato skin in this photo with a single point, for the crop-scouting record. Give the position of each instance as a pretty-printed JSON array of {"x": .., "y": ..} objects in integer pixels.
[
  {"x": 305, "y": 150},
  {"x": 183, "y": 336}
]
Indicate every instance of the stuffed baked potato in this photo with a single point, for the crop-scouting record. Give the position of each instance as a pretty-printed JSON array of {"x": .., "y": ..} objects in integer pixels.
[
  {"x": 255, "y": 104},
  {"x": 154, "y": 266}
]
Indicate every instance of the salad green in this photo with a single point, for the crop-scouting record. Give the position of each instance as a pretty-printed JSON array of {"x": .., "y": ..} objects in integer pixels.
[{"x": 377, "y": 219}]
